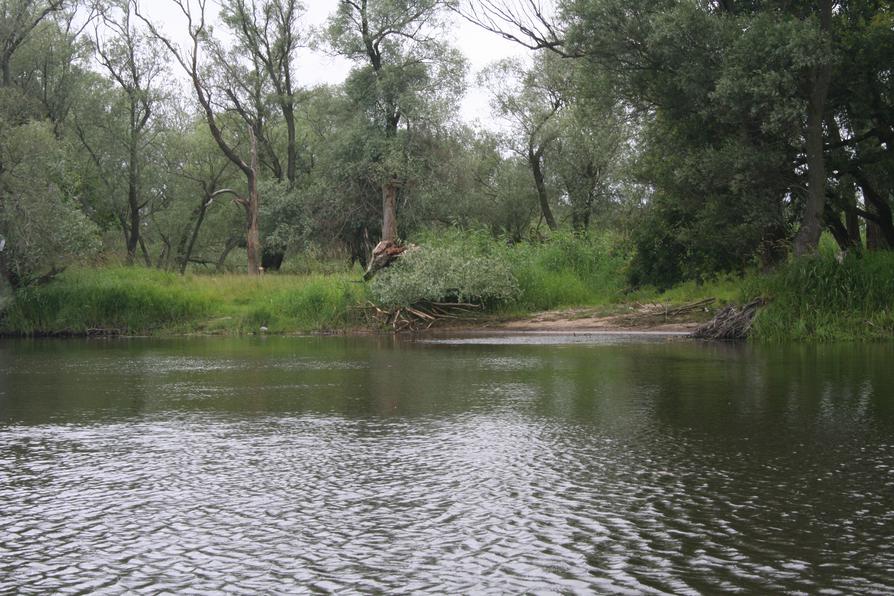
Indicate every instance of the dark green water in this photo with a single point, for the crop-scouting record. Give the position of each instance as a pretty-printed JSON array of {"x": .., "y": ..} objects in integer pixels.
[{"x": 503, "y": 464}]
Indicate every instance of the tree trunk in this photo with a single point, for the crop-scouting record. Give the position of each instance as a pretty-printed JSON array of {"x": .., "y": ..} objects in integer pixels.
[
  {"x": 389, "y": 212},
  {"x": 133, "y": 206},
  {"x": 7, "y": 70},
  {"x": 807, "y": 240},
  {"x": 852, "y": 221},
  {"x": 146, "y": 258},
  {"x": 873, "y": 236},
  {"x": 292, "y": 145},
  {"x": 228, "y": 248},
  {"x": 252, "y": 207},
  {"x": 188, "y": 241},
  {"x": 252, "y": 235},
  {"x": 535, "y": 159},
  {"x": 877, "y": 205}
]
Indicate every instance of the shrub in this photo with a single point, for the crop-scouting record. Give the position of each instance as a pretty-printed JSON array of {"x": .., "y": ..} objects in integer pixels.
[{"x": 445, "y": 274}]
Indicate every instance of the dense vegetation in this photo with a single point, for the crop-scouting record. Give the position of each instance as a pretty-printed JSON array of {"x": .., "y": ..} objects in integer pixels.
[{"x": 642, "y": 146}]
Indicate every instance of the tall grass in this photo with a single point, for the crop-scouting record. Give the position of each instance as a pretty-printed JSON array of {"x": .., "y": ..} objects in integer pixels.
[
  {"x": 820, "y": 298},
  {"x": 562, "y": 271},
  {"x": 816, "y": 299},
  {"x": 133, "y": 300}
]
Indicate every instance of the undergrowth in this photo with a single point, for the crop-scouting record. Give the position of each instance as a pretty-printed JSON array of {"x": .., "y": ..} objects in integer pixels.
[{"x": 815, "y": 299}]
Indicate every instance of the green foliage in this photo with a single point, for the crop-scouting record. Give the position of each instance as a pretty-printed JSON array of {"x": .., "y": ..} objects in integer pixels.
[
  {"x": 445, "y": 274},
  {"x": 565, "y": 270},
  {"x": 41, "y": 227},
  {"x": 819, "y": 298},
  {"x": 569, "y": 270}
]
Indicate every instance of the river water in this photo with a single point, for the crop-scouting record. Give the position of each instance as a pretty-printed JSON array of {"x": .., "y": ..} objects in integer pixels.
[{"x": 499, "y": 464}]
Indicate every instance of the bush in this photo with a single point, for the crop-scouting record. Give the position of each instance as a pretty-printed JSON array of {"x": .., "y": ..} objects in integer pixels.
[{"x": 445, "y": 274}]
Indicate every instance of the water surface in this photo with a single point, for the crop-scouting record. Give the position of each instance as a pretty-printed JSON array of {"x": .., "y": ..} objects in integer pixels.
[{"x": 572, "y": 463}]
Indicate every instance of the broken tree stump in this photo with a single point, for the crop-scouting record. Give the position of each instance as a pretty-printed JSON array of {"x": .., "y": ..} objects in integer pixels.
[{"x": 383, "y": 255}]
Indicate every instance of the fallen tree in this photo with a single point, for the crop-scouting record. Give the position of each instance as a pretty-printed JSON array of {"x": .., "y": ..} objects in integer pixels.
[{"x": 731, "y": 323}]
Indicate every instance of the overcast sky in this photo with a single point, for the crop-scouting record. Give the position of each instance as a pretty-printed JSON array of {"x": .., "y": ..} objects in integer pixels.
[{"x": 479, "y": 46}]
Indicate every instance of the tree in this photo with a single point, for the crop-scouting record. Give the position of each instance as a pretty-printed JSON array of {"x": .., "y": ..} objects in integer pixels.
[
  {"x": 18, "y": 19},
  {"x": 41, "y": 227},
  {"x": 134, "y": 61},
  {"x": 190, "y": 62},
  {"x": 402, "y": 68},
  {"x": 49, "y": 67},
  {"x": 526, "y": 22},
  {"x": 820, "y": 78},
  {"x": 267, "y": 31},
  {"x": 529, "y": 100},
  {"x": 588, "y": 156}
]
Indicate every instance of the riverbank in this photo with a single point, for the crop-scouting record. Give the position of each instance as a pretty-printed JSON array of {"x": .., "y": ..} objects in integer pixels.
[{"x": 817, "y": 299}]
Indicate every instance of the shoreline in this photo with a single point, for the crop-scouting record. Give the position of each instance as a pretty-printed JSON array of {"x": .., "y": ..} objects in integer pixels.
[{"x": 569, "y": 321}]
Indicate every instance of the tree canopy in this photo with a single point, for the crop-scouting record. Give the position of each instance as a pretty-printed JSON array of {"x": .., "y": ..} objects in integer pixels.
[{"x": 712, "y": 136}]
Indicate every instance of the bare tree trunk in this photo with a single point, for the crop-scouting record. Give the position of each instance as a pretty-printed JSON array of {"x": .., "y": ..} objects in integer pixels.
[
  {"x": 252, "y": 207},
  {"x": 535, "y": 159},
  {"x": 873, "y": 236},
  {"x": 146, "y": 258},
  {"x": 877, "y": 208},
  {"x": 133, "y": 204},
  {"x": 807, "y": 240},
  {"x": 7, "y": 70},
  {"x": 292, "y": 146},
  {"x": 389, "y": 212}
]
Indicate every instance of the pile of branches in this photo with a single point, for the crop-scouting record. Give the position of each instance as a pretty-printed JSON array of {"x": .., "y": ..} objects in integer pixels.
[
  {"x": 731, "y": 323},
  {"x": 420, "y": 316},
  {"x": 646, "y": 314}
]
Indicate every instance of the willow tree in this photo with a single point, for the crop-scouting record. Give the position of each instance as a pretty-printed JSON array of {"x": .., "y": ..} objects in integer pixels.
[
  {"x": 267, "y": 34},
  {"x": 135, "y": 63},
  {"x": 403, "y": 69},
  {"x": 190, "y": 60},
  {"x": 18, "y": 20},
  {"x": 529, "y": 99}
]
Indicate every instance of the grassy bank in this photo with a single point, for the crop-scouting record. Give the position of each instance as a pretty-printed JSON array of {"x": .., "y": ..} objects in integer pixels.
[
  {"x": 820, "y": 299},
  {"x": 147, "y": 301},
  {"x": 816, "y": 299}
]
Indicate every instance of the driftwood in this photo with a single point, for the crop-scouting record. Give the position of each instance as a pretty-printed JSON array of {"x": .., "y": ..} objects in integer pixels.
[
  {"x": 731, "y": 323},
  {"x": 650, "y": 314},
  {"x": 383, "y": 255},
  {"x": 419, "y": 316}
]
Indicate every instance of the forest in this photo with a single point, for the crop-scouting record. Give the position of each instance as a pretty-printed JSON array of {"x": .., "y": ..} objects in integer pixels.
[{"x": 733, "y": 147}]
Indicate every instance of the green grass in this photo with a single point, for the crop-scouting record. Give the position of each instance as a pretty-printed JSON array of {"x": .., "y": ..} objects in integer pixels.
[
  {"x": 820, "y": 299},
  {"x": 814, "y": 299},
  {"x": 146, "y": 301},
  {"x": 563, "y": 271}
]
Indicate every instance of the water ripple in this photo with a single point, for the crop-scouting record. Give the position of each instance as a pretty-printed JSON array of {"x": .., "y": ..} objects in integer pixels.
[{"x": 487, "y": 504}]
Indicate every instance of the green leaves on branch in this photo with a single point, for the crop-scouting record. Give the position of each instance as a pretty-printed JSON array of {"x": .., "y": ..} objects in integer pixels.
[{"x": 445, "y": 274}]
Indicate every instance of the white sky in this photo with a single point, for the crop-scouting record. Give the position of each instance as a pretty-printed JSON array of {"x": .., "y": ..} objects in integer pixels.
[{"x": 480, "y": 48}]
